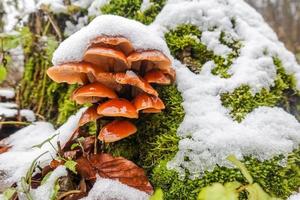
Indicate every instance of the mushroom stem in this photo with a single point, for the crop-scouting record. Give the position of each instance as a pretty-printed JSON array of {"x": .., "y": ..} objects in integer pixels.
[{"x": 98, "y": 125}]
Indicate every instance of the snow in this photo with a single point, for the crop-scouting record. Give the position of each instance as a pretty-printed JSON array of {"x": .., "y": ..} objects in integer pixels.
[
  {"x": 107, "y": 189},
  {"x": 146, "y": 4},
  {"x": 45, "y": 191},
  {"x": 294, "y": 197},
  {"x": 57, "y": 6},
  {"x": 73, "y": 48},
  {"x": 208, "y": 133},
  {"x": 8, "y": 93},
  {"x": 72, "y": 28},
  {"x": 15, "y": 163},
  {"x": 9, "y": 110},
  {"x": 94, "y": 9}
]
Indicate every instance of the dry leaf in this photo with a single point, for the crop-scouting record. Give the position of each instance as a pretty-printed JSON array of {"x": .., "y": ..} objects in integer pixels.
[
  {"x": 116, "y": 168},
  {"x": 4, "y": 149}
]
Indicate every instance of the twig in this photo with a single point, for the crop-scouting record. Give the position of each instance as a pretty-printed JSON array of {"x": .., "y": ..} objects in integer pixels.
[
  {"x": 55, "y": 27},
  {"x": 15, "y": 123}
]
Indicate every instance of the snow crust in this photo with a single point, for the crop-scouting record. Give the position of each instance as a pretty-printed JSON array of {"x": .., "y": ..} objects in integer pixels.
[
  {"x": 294, "y": 197},
  {"x": 208, "y": 133},
  {"x": 146, "y": 4},
  {"x": 8, "y": 93},
  {"x": 73, "y": 48},
  {"x": 107, "y": 189},
  {"x": 9, "y": 110},
  {"x": 15, "y": 163}
]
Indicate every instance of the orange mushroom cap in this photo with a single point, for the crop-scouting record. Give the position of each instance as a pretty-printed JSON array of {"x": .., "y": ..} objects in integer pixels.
[
  {"x": 118, "y": 43},
  {"x": 116, "y": 131},
  {"x": 117, "y": 108},
  {"x": 89, "y": 115},
  {"x": 151, "y": 110},
  {"x": 131, "y": 78},
  {"x": 108, "y": 79},
  {"x": 106, "y": 58},
  {"x": 149, "y": 60},
  {"x": 145, "y": 101},
  {"x": 93, "y": 92},
  {"x": 73, "y": 72},
  {"x": 157, "y": 76}
]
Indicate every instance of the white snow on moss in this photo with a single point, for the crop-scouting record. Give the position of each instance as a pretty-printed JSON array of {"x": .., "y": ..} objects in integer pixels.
[
  {"x": 146, "y": 4},
  {"x": 73, "y": 48},
  {"x": 15, "y": 163},
  {"x": 94, "y": 9},
  {"x": 294, "y": 197},
  {"x": 107, "y": 189},
  {"x": 208, "y": 133}
]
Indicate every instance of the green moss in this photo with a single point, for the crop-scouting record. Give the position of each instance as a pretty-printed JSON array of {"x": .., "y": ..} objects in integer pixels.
[
  {"x": 275, "y": 179},
  {"x": 156, "y": 138},
  {"x": 48, "y": 99},
  {"x": 242, "y": 101},
  {"x": 131, "y": 9},
  {"x": 184, "y": 43},
  {"x": 67, "y": 106}
]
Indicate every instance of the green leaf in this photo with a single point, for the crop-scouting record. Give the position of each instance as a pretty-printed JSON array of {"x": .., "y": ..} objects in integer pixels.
[
  {"x": 55, "y": 191},
  {"x": 3, "y": 73},
  {"x": 218, "y": 191},
  {"x": 73, "y": 146},
  {"x": 255, "y": 192},
  {"x": 242, "y": 167},
  {"x": 9, "y": 193},
  {"x": 158, "y": 195},
  {"x": 71, "y": 165},
  {"x": 46, "y": 178}
]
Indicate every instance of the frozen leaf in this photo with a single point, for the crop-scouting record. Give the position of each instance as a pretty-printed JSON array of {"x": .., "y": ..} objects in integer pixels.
[
  {"x": 218, "y": 191},
  {"x": 116, "y": 168}
]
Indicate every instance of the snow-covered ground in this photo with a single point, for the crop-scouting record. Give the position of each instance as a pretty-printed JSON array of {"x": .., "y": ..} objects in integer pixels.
[{"x": 10, "y": 109}]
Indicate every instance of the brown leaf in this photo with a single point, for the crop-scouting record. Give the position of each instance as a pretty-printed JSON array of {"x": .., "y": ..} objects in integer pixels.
[
  {"x": 4, "y": 149},
  {"x": 116, "y": 168}
]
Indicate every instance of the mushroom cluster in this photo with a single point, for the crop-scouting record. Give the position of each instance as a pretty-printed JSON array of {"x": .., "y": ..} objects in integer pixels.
[{"x": 116, "y": 79}]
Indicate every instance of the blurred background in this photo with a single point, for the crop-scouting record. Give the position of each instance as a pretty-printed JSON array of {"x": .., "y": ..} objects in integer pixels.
[{"x": 284, "y": 17}]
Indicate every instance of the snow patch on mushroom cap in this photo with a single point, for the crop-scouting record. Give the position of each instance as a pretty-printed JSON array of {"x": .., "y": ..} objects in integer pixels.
[
  {"x": 107, "y": 189},
  {"x": 142, "y": 38}
]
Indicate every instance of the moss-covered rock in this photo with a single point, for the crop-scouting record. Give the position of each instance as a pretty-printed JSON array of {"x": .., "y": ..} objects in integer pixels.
[{"x": 156, "y": 142}]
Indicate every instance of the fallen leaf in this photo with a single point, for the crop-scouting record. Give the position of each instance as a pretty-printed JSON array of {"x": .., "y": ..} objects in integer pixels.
[
  {"x": 116, "y": 168},
  {"x": 4, "y": 149}
]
